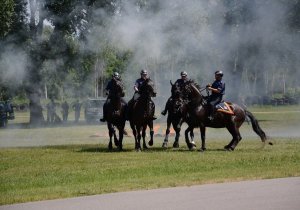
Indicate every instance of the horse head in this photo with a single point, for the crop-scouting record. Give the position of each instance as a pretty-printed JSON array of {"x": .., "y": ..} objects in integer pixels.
[
  {"x": 117, "y": 88},
  {"x": 147, "y": 88},
  {"x": 192, "y": 91}
]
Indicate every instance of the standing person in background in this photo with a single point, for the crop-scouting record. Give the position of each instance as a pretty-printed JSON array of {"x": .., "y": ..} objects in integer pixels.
[
  {"x": 51, "y": 109},
  {"x": 76, "y": 108},
  {"x": 65, "y": 111}
]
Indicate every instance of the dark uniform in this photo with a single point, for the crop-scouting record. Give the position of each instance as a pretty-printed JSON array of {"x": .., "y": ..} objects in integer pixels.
[
  {"x": 108, "y": 89},
  {"x": 65, "y": 111},
  {"x": 180, "y": 83},
  {"x": 77, "y": 107},
  {"x": 136, "y": 95},
  {"x": 216, "y": 97}
]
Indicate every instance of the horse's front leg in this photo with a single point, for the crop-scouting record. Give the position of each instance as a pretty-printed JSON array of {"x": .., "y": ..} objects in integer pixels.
[
  {"x": 144, "y": 136},
  {"x": 202, "y": 133},
  {"x": 165, "y": 143},
  {"x": 110, "y": 133},
  {"x": 150, "y": 124},
  {"x": 116, "y": 141},
  {"x": 177, "y": 128},
  {"x": 134, "y": 131},
  {"x": 187, "y": 140},
  {"x": 121, "y": 135},
  {"x": 138, "y": 145}
]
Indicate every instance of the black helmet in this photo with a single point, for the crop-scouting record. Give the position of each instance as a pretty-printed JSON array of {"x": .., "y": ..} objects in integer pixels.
[
  {"x": 219, "y": 73},
  {"x": 144, "y": 72},
  {"x": 183, "y": 74},
  {"x": 116, "y": 75}
]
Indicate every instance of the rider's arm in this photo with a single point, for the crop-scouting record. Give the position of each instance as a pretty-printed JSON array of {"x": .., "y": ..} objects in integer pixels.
[{"x": 136, "y": 85}]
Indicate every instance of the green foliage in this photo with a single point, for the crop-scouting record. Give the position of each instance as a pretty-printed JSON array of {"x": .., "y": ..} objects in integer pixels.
[{"x": 6, "y": 16}]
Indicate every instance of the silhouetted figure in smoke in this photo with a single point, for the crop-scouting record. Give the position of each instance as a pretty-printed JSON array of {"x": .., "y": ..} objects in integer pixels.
[
  {"x": 76, "y": 107},
  {"x": 51, "y": 109},
  {"x": 65, "y": 111}
]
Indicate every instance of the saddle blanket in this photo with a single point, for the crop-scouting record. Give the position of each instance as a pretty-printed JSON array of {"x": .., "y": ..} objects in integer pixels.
[{"x": 225, "y": 107}]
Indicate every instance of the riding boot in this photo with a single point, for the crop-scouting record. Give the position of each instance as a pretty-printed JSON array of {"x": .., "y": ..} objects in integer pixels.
[{"x": 210, "y": 112}]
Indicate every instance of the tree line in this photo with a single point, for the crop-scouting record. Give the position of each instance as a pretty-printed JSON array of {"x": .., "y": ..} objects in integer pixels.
[{"x": 49, "y": 41}]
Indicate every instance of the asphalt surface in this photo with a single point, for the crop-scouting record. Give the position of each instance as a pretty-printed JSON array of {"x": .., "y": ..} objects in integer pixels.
[{"x": 271, "y": 194}]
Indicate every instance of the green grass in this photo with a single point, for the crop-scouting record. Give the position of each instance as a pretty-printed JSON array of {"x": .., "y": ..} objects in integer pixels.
[
  {"x": 60, "y": 162},
  {"x": 39, "y": 173}
]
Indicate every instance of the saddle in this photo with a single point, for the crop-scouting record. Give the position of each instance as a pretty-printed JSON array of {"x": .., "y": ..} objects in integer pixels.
[{"x": 225, "y": 107}]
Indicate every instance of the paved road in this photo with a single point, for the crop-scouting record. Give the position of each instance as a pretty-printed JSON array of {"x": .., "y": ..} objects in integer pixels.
[{"x": 272, "y": 194}]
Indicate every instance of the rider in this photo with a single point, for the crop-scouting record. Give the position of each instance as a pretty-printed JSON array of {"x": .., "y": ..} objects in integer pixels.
[
  {"x": 180, "y": 82},
  {"x": 138, "y": 83},
  {"x": 109, "y": 86},
  {"x": 217, "y": 91}
]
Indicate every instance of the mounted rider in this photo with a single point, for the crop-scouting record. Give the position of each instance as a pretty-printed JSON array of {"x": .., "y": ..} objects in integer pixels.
[
  {"x": 108, "y": 89},
  {"x": 137, "y": 85},
  {"x": 181, "y": 84},
  {"x": 217, "y": 89}
]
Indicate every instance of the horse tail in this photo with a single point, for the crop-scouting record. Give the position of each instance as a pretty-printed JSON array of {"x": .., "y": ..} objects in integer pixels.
[{"x": 257, "y": 129}]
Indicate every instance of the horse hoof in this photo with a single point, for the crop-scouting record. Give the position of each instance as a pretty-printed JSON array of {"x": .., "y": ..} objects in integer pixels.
[
  {"x": 138, "y": 150},
  {"x": 176, "y": 144},
  {"x": 164, "y": 145},
  {"x": 202, "y": 149},
  {"x": 192, "y": 148},
  {"x": 150, "y": 143}
]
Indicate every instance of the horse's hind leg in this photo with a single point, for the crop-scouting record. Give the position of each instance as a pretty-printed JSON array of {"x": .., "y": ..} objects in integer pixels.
[
  {"x": 202, "y": 132},
  {"x": 233, "y": 131}
]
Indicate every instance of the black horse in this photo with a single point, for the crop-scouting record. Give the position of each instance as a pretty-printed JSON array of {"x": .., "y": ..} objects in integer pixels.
[
  {"x": 175, "y": 117},
  {"x": 115, "y": 110},
  {"x": 141, "y": 114},
  {"x": 197, "y": 112}
]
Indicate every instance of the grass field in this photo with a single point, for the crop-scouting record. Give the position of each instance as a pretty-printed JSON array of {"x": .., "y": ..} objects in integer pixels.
[{"x": 73, "y": 160}]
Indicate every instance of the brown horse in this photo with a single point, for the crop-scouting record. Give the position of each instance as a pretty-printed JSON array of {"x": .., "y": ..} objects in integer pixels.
[
  {"x": 141, "y": 114},
  {"x": 175, "y": 117},
  {"x": 197, "y": 113},
  {"x": 115, "y": 109}
]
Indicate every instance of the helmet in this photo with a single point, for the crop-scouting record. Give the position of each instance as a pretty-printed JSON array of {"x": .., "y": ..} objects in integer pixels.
[
  {"x": 183, "y": 74},
  {"x": 219, "y": 73},
  {"x": 144, "y": 72},
  {"x": 116, "y": 75}
]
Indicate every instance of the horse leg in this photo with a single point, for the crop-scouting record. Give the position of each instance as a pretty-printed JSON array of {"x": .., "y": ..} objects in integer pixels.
[
  {"x": 239, "y": 138},
  {"x": 121, "y": 135},
  {"x": 138, "y": 146},
  {"x": 144, "y": 136},
  {"x": 187, "y": 140},
  {"x": 192, "y": 142},
  {"x": 116, "y": 141},
  {"x": 177, "y": 128},
  {"x": 150, "y": 124},
  {"x": 232, "y": 130},
  {"x": 165, "y": 143},
  {"x": 133, "y": 128},
  {"x": 110, "y": 133},
  {"x": 202, "y": 132}
]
